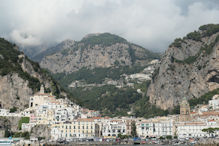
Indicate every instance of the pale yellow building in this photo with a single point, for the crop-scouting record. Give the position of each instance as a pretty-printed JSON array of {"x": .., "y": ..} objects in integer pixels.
[{"x": 81, "y": 128}]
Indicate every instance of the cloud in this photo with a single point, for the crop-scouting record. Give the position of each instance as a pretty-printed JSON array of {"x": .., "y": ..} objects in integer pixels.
[
  {"x": 25, "y": 39},
  {"x": 152, "y": 24}
]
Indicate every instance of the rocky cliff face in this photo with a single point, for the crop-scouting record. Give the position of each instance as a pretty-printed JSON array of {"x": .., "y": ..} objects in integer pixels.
[
  {"x": 14, "y": 92},
  {"x": 63, "y": 45},
  {"x": 96, "y": 50},
  {"x": 189, "y": 68},
  {"x": 41, "y": 131},
  {"x": 20, "y": 78}
]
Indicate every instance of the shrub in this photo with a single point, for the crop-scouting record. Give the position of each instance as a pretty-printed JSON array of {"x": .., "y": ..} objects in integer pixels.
[
  {"x": 13, "y": 110},
  {"x": 23, "y": 120},
  {"x": 177, "y": 43},
  {"x": 204, "y": 98},
  {"x": 206, "y": 50},
  {"x": 196, "y": 36},
  {"x": 209, "y": 29}
]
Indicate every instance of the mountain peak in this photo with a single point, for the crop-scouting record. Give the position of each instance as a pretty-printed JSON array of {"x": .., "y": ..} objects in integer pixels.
[
  {"x": 96, "y": 50},
  {"x": 103, "y": 38}
]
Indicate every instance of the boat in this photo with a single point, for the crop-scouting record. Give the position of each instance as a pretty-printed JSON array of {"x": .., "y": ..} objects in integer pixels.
[{"x": 5, "y": 142}]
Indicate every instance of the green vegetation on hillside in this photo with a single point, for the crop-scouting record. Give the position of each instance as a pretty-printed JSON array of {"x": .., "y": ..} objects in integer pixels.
[
  {"x": 10, "y": 63},
  {"x": 23, "y": 120},
  {"x": 13, "y": 110},
  {"x": 196, "y": 36},
  {"x": 177, "y": 43},
  {"x": 105, "y": 39},
  {"x": 204, "y": 98},
  {"x": 143, "y": 108},
  {"x": 96, "y": 75},
  {"x": 209, "y": 29},
  {"x": 108, "y": 99},
  {"x": 205, "y": 50}
]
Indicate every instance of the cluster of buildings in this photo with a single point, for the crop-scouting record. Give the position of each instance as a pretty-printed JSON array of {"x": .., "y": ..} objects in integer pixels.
[
  {"x": 69, "y": 121},
  {"x": 186, "y": 125}
]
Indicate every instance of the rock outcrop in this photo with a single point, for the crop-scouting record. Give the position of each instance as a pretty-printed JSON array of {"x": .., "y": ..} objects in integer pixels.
[
  {"x": 42, "y": 131},
  {"x": 97, "y": 50},
  {"x": 189, "y": 68},
  {"x": 20, "y": 78}
]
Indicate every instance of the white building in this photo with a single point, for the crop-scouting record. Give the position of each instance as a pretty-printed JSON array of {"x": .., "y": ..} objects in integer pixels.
[
  {"x": 46, "y": 109},
  {"x": 4, "y": 112},
  {"x": 113, "y": 127},
  {"x": 155, "y": 127},
  {"x": 214, "y": 103},
  {"x": 193, "y": 129}
]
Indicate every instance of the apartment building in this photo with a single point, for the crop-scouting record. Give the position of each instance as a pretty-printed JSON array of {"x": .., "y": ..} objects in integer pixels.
[{"x": 80, "y": 128}]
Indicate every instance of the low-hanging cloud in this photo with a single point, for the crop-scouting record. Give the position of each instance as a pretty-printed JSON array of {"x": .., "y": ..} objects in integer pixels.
[{"x": 151, "y": 23}]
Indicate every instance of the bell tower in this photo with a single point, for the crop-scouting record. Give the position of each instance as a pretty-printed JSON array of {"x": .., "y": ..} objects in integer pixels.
[
  {"x": 184, "y": 110},
  {"x": 42, "y": 90}
]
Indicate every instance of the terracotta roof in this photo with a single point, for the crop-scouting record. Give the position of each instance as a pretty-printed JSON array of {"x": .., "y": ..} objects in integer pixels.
[
  {"x": 193, "y": 124},
  {"x": 85, "y": 120},
  {"x": 212, "y": 120},
  {"x": 213, "y": 113}
]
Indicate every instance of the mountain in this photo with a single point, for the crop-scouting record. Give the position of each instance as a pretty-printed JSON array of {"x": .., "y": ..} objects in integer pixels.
[
  {"x": 20, "y": 78},
  {"x": 105, "y": 72},
  {"x": 63, "y": 45},
  {"x": 189, "y": 68},
  {"x": 96, "y": 50}
]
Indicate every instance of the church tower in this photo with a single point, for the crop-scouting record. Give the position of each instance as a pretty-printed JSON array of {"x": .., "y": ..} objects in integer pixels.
[
  {"x": 185, "y": 111},
  {"x": 42, "y": 90}
]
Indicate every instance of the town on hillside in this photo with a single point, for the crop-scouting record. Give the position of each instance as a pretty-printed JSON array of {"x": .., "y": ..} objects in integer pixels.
[{"x": 68, "y": 122}]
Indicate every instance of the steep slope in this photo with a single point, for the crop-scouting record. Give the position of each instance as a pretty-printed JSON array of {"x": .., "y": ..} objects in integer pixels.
[
  {"x": 63, "y": 45},
  {"x": 189, "y": 68},
  {"x": 20, "y": 78},
  {"x": 105, "y": 72},
  {"x": 97, "y": 50}
]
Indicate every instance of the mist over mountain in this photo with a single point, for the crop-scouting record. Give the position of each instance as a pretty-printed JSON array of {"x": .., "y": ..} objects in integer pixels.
[{"x": 151, "y": 24}]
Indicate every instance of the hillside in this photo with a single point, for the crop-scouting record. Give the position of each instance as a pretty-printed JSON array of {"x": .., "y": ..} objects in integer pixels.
[
  {"x": 20, "y": 78},
  {"x": 189, "y": 68},
  {"x": 63, "y": 45},
  {"x": 105, "y": 72},
  {"x": 97, "y": 50}
]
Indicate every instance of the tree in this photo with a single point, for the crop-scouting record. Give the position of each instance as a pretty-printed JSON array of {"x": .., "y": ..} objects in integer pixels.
[
  {"x": 168, "y": 137},
  {"x": 12, "y": 110},
  {"x": 210, "y": 131},
  {"x": 123, "y": 136},
  {"x": 133, "y": 129}
]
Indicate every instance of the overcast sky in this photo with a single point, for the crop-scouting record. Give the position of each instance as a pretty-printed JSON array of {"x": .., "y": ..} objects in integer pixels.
[{"x": 150, "y": 23}]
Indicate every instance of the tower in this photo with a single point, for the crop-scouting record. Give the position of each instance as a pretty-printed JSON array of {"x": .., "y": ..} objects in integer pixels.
[
  {"x": 41, "y": 89},
  {"x": 184, "y": 110}
]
